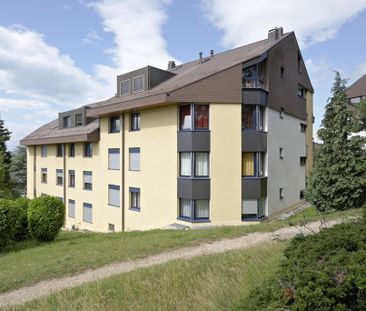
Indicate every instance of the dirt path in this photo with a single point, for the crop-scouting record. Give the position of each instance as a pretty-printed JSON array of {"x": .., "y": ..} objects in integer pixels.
[{"x": 49, "y": 287}]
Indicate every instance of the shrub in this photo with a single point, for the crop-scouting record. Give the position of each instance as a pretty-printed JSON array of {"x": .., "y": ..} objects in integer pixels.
[
  {"x": 8, "y": 221},
  {"x": 45, "y": 217},
  {"x": 326, "y": 271},
  {"x": 21, "y": 230}
]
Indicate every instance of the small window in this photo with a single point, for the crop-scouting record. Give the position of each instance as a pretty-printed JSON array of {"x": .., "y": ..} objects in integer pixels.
[
  {"x": 302, "y": 161},
  {"x": 248, "y": 119},
  {"x": 185, "y": 118},
  {"x": 60, "y": 150},
  {"x": 134, "y": 160},
  {"x": 71, "y": 150},
  {"x": 249, "y": 164},
  {"x": 126, "y": 87},
  {"x": 185, "y": 164},
  {"x": 78, "y": 119},
  {"x": 301, "y": 92},
  {"x": 281, "y": 193},
  {"x": 44, "y": 151},
  {"x": 114, "y": 195},
  {"x": 303, "y": 127},
  {"x": 282, "y": 112},
  {"x": 135, "y": 198},
  {"x": 281, "y": 153},
  {"x": 201, "y": 115},
  {"x": 282, "y": 72},
  {"x": 67, "y": 122},
  {"x": 59, "y": 177},
  {"x": 201, "y": 164},
  {"x": 111, "y": 228},
  {"x": 135, "y": 121},
  {"x": 44, "y": 175},
  {"x": 71, "y": 208},
  {"x": 113, "y": 158},
  {"x": 138, "y": 84},
  {"x": 87, "y": 180},
  {"x": 71, "y": 178},
  {"x": 88, "y": 213},
  {"x": 302, "y": 194},
  {"x": 88, "y": 150},
  {"x": 114, "y": 124}
]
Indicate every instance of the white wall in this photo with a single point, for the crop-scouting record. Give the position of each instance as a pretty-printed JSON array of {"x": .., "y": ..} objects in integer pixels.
[{"x": 284, "y": 173}]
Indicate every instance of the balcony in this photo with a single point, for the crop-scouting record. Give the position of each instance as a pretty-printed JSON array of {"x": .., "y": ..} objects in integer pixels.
[{"x": 254, "y": 187}]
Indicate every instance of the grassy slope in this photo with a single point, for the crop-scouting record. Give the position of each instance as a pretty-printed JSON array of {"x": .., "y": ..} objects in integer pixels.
[
  {"x": 29, "y": 262},
  {"x": 214, "y": 282}
]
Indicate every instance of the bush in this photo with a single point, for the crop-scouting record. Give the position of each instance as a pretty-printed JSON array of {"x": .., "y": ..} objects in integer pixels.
[
  {"x": 326, "y": 271},
  {"x": 45, "y": 217},
  {"x": 8, "y": 221},
  {"x": 21, "y": 230}
]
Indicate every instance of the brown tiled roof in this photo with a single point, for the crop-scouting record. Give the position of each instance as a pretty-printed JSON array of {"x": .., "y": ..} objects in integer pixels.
[
  {"x": 50, "y": 133},
  {"x": 358, "y": 88}
]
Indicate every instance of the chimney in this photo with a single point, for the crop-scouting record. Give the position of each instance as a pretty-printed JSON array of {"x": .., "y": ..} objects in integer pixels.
[
  {"x": 212, "y": 53},
  {"x": 171, "y": 64},
  {"x": 200, "y": 55},
  {"x": 275, "y": 34}
]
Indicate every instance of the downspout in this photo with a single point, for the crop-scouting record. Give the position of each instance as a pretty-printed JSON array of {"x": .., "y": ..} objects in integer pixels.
[
  {"x": 34, "y": 171},
  {"x": 64, "y": 179},
  {"x": 123, "y": 172}
]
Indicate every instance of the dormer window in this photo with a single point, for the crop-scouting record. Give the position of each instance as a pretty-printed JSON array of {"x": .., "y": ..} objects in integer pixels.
[
  {"x": 78, "y": 119},
  {"x": 126, "y": 87},
  {"x": 67, "y": 122},
  {"x": 138, "y": 84}
]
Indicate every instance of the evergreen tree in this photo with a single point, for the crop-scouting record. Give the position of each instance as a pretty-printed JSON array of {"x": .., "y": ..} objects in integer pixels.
[
  {"x": 18, "y": 169},
  {"x": 338, "y": 180},
  {"x": 5, "y": 159}
]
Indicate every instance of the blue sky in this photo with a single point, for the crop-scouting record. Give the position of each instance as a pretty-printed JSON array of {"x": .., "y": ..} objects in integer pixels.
[{"x": 58, "y": 55}]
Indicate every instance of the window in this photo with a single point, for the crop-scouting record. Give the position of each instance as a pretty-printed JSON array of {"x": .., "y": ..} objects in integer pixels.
[
  {"x": 134, "y": 161},
  {"x": 67, "y": 122},
  {"x": 303, "y": 127},
  {"x": 113, "y": 158},
  {"x": 60, "y": 150},
  {"x": 355, "y": 100},
  {"x": 44, "y": 151},
  {"x": 302, "y": 194},
  {"x": 113, "y": 195},
  {"x": 71, "y": 178},
  {"x": 88, "y": 150},
  {"x": 253, "y": 76},
  {"x": 281, "y": 153},
  {"x": 126, "y": 87},
  {"x": 78, "y": 119},
  {"x": 302, "y": 161},
  {"x": 135, "y": 198},
  {"x": 201, "y": 164},
  {"x": 87, "y": 180},
  {"x": 201, "y": 113},
  {"x": 299, "y": 58},
  {"x": 282, "y": 112},
  {"x": 114, "y": 124},
  {"x": 249, "y": 164},
  {"x": 138, "y": 84},
  {"x": 282, "y": 72},
  {"x": 71, "y": 208},
  {"x": 185, "y": 164},
  {"x": 253, "y": 209},
  {"x": 281, "y": 193},
  {"x": 59, "y": 177},
  {"x": 111, "y": 228},
  {"x": 201, "y": 117},
  {"x": 194, "y": 210},
  {"x": 88, "y": 213},
  {"x": 135, "y": 121},
  {"x": 185, "y": 117},
  {"x": 44, "y": 175},
  {"x": 71, "y": 150},
  {"x": 301, "y": 92},
  {"x": 248, "y": 117}
]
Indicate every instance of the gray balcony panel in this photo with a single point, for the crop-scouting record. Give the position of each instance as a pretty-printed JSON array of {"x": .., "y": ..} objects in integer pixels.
[
  {"x": 254, "y": 187},
  {"x": 254, "y": 97},
  {"x": 193, "y": 141},
  {"x": 194, "y": 189},
  {"x": 254, "y": 141}
]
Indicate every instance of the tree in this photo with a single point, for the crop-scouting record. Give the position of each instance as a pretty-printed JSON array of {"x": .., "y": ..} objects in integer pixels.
[
  {"x": 5, "y": 159},
  {"x": 338, "y": 180},
  {"x": 18, "y": 169}
]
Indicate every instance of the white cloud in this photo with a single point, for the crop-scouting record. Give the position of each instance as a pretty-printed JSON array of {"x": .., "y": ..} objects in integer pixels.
[
  {"x": 91, "y": 37},
  {"x": 137, "y": 26},
  {"x": 245, "y": 21}
]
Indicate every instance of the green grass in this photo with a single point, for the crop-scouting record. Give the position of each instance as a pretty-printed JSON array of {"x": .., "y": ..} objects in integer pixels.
[
  {"x": 30, "y": 262},
  {"x": 214, "y": 282}
]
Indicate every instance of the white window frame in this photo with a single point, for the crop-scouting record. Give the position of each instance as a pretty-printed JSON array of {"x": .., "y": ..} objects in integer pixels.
[{"x": 143, "y": 83}]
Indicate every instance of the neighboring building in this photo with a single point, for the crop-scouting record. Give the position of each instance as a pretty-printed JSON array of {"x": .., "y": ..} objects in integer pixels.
[
  {"x": 220, "y": 140},
  {"x": 357, "y": 91}
]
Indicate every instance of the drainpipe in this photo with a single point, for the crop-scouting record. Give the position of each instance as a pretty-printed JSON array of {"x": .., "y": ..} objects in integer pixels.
[
  {"x": 123, "y": 172},
  {"x": 64, "y": 179}
]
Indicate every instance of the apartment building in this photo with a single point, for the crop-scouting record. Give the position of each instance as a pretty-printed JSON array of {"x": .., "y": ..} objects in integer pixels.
[{"x": 225, "y": 139}]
